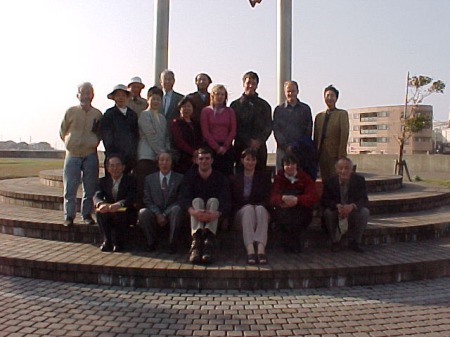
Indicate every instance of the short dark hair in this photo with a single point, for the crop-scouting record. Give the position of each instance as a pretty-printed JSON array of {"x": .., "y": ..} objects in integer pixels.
[
  {"x": 251, "y": 75},
  {"x": 249, "y": 152},
  {"x": 185, "y": 100},
  {"x": 114, "y": 155},
  {"x": 206, "y": 75},
  {"x": 154, "y": 91},
  {"x": 289, "y": 159},
  {"x": 204, "y": 150},
  {"x": 346, "y": 159},
  {"x": 332, "y": 88}
]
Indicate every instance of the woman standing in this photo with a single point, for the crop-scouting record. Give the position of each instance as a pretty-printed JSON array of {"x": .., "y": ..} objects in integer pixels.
[
  {"x": 218, "y": 124},
  {"x": 153, "y": 139},
  {"x": 250, "y": 192},
  {"x": 186, "y": 135}
]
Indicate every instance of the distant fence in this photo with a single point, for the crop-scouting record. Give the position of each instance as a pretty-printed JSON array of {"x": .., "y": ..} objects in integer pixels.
[{"x": 32, "y": 154}]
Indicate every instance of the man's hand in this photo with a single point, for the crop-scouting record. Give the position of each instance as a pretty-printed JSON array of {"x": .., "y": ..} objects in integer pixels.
[
  {"x": 344, "y": 210},
  {"x": 103, "y": 208},
  {"x": 289, "y": 201},
  {"x": 114, "y": 207},
  {"x": 161, "y": 220}
]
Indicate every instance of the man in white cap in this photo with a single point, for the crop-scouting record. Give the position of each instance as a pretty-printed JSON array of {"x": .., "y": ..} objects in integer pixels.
[
  {"x": 80, "y": 133},
  {"x": 136, "y": 102},
  {"x": 119, "y": 129}
]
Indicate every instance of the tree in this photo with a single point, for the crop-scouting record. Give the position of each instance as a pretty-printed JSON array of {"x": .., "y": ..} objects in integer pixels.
[{"x": 417, "y": 88}]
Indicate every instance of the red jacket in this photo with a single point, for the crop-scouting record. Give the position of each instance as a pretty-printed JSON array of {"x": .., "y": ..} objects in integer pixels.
[{"x": 304, "y": 189}]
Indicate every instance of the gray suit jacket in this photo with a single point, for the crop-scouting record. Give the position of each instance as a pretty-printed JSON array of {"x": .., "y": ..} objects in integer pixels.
[
  {"x": 172, "y": 111},
  {"x": 153, "y": 195}
]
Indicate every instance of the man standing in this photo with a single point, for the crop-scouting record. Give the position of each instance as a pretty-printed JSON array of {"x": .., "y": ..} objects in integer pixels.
[
  {"x": 206, "y": 196},
  {"x": 169, "y": 106},
  {"x": 254, "y": 121},
  {"x": 115, "y": 193},
  {"x": 161, "y": 195},
  {"x": 80, "y": 134},
  {"x": 292, "y": 121},
  {"x": 119, "y": 129},
  {"x": 331, "y": 129},
  {"x": 201, "y": 97},
  {"x": 136, "y": 102},
  {"x": 345, "y": 204}
]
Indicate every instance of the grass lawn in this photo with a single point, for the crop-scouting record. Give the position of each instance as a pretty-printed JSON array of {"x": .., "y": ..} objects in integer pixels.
[
  {"x": 26, "y": 167},
  {"x": 441, "y": 182}
]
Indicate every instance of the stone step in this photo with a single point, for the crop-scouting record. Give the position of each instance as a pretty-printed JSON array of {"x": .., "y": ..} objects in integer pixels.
[
  {"x": 84, "y": 263},
  {"x": 397, "y": 227},
  {"x": 375, "y": 182},
  {"x": 411, "y": 197}
]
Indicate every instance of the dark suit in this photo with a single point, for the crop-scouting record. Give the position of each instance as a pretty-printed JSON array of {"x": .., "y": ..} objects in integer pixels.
[
  {"x": 259, "y": 194},
  {"x": 172, "y": 110},
  {"x": 356, "y": 194},
  {"x": 112, "y": 225},
  {"x": 156, "y": 203}
]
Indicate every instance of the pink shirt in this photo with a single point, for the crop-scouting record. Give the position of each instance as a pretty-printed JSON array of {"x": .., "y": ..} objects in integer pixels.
[{"x": 218, "y": 127}]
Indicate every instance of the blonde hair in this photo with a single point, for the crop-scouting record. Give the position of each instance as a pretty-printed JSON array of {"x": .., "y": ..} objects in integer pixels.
[{"x": 214, "y": 90}]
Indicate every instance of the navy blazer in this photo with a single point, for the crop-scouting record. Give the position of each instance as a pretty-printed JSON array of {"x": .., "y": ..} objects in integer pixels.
[
  {"x": 259, "y": 194},
  {"x": 126, "y": 193},
  {"x": 153, "y": 196},
  {"x": 357, "y": 193}
]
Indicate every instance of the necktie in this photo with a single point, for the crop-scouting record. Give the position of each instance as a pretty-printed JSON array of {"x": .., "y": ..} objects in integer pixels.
[
  {"x": 164, "y": 187},
  {"x": 166, "y": 103}
]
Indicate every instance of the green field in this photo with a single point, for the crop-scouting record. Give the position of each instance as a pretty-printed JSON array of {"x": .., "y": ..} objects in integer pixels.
[{"x": 25, "y": 167}]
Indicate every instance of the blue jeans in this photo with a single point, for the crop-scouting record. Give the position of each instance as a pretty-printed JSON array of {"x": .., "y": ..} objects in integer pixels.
[{"x": 76, "y": 169}]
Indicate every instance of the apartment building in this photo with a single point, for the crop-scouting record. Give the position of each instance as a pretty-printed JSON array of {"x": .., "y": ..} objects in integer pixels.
[{"x": 376, "y": 130}]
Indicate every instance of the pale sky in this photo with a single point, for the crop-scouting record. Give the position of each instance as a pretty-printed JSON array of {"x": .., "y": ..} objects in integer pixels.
[{"x": 364, "y": 47}]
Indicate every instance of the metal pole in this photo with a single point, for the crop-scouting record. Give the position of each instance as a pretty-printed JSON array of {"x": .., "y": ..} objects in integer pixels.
[
  {"x": 284, "y": 46},
  {"x": 161, "y": 38}
]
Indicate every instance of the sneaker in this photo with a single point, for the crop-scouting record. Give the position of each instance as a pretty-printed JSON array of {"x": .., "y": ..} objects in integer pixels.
[
  {"x": 68, "y": 222},
  {"x": 88, "y": 220}
]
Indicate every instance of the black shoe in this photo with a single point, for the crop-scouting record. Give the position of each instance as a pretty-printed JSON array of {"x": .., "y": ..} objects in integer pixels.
[
  {"x": 208, "y": 247},
  {"x": 68, "y": 222},
  {"x": 355, "y": 247},
  {"x": 195, "y": 253},
  {"x": 88, "y": 220},
  {"x": 117, "y": 248},
  {"x": 106, "y": 247}
]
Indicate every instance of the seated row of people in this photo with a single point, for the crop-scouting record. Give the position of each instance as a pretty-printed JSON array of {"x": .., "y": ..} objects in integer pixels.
[{"x": 249, "y": 198}]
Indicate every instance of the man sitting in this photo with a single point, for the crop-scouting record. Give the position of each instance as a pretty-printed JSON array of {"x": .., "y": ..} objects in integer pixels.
[
  {"x": 161, "y": 195},
  {"x": 345, "y": 204},
  {"x": 206, "y": 197},
  {"x": 115, "y": 193}
]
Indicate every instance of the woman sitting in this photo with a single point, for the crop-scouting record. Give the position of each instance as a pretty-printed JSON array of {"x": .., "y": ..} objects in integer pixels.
[{"x": 250, "y": 192}]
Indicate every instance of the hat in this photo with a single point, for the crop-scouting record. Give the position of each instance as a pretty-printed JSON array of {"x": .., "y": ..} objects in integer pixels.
[
  {"x": 118, "y": 87},
  {"x": 138, "y": 80}
]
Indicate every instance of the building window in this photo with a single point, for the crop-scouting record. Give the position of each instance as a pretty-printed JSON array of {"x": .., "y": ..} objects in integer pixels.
[
  {"x": 355, "y": 127},
  {"x": 383, "y": 114},
  {"x": 355, "y": 116}
]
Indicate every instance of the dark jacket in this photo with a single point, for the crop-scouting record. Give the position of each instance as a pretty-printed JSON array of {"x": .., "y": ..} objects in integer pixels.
[
  {"x": 357, "y": 193},
  {"x": 126, "y": 193},
  {"x": 259, "y": 194},
  {"x": 120, "y": 135}
]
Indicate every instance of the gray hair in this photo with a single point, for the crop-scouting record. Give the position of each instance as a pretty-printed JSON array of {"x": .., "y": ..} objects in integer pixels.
[
  {"x": 167, "y": 72},
  {"x": 85, "y": 85}
]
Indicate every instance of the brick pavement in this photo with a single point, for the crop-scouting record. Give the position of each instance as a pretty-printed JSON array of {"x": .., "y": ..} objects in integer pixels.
[{"x": 45, "y": 308}]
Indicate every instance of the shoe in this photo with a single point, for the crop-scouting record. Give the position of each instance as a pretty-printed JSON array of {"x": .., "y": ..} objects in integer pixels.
[
  {"x": 195, "y": 256},
  {"x": 68, "y": 222},
  {"x": 106, "y": 247},
  {"x": 88, "y": 220},
  {"x": 262, "y": 259},
  {"x": 251, "y": 259},
  {"x": 117, "y": 248},
  {"x": 355, "y": 247},
  {"x": 208, "y": 247},
  {"x": 335, "y": 247}
]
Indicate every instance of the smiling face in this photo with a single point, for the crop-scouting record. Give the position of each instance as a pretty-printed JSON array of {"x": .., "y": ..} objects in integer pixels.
[
  {"x": 204, "y": 162},
  {"x": 219, "y": 96},
  {"x": 154, "y": 101},
  {"x": 250, "y": 86},
  {"x": 290, "y": 168},
  {"x": 291, "y": 92},
  {"x": 135, "y": 89},
  {"x": 330, "y": 99},
  {"x": 115, "y": 167},
  {"x": 167, "y": 81},
  {"x": 202, "y": 82},
  {"x": 186, "y": 110},
  {"x": 121, "y": 98},
  {"x": 344, "y": 169},
  {"x": 85, "y": 95},
  {"x": 249, "y": 163}
]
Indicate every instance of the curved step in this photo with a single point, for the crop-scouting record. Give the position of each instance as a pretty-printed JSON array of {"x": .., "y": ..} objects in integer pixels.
[
  {"x": 398, "y": 227},
  {"x": 84, "y": 263},
  {"x": 411, "y": 197}
]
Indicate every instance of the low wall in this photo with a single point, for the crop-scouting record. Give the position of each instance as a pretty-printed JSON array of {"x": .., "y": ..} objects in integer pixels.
[
  {"x": 55, "y": 154},
  {"x": 383, "y": 163}
]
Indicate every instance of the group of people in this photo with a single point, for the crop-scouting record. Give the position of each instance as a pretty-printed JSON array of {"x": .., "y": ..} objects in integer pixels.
[{"x": 173, "y": 156}]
